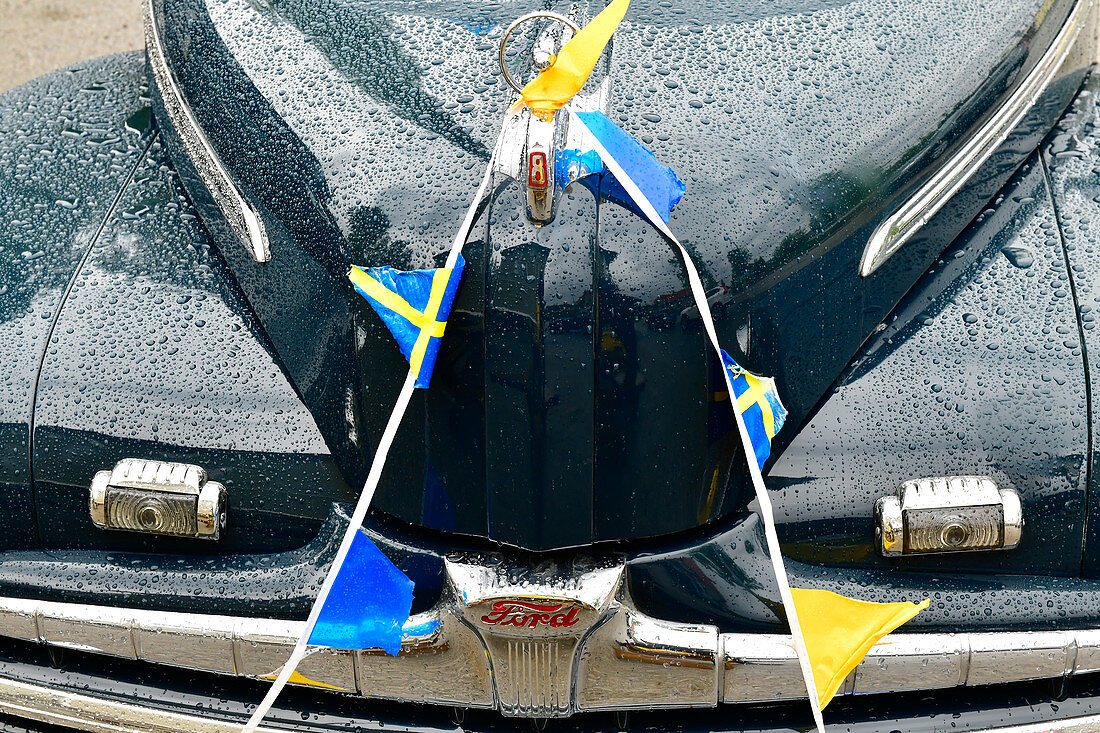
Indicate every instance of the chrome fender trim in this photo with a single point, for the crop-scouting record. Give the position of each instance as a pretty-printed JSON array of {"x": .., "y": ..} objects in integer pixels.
[
  {"x": 953, "y": 174},
  {"x": 241, "y": 216}
]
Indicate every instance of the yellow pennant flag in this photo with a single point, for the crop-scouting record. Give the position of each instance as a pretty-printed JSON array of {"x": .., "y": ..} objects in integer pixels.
[
  {"x": 550, "y": 90},
  {"x": 839, "y": 631}
]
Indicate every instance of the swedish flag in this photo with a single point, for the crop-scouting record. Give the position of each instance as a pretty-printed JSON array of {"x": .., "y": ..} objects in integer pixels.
[
  {"x": 759, "y": 405},
  {"x": 414, "y": 305}
]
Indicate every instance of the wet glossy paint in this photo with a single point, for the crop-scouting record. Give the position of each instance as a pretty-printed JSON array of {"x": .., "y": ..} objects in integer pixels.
[
  {"x": 1071, "y": 161},
  {"x": 166, "y": 345},
  {"x": 132, "y": 337},
  {"x": 157, "y": 355},
  {"x": 580, "y": 389},
  {"x": 66, "y": 153},
  {"x": 978, "y": 371},
  {"x": 155, "y": 260},
  {"x": 579, "y": 353}
]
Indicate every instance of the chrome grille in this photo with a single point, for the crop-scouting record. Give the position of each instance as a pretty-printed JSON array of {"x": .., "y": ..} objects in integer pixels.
[
  {"x": 615, "y": 659},
  {"x": 534, "y": 681}
]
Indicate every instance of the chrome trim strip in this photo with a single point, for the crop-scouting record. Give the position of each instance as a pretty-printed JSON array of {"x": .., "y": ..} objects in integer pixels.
[
  {"x": 915, "y": 212},
  {"x": 84, "y": 712},
  {"x": 88, "y": 713},
  {"x": 633, "y": 661},
  {"x": 626, "y": 661},
  {"x": 441, "y": 661},
  {"x": 242, "y": 217},
  {"x": 763, "y": 667}
]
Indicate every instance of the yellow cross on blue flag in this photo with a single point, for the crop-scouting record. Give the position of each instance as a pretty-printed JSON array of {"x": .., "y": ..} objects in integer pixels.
[
  {"x": 414, "y": 305},
  {"x": 759, "y": 405}
]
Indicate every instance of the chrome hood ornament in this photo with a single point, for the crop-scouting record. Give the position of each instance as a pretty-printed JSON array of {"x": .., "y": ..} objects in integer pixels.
[{"x": 530, "y": 147}]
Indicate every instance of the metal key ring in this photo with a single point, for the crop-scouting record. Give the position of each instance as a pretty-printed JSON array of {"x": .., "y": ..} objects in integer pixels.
[{"x": 508, "y": 33}]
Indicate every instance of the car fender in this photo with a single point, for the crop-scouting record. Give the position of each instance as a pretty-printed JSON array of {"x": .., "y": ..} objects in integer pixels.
[{"x": 68, "y": 143}]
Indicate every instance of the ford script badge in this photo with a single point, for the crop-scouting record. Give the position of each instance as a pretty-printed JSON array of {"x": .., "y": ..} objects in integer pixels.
[
  {"x": 532, "y": 621},
  {"x": 526, "y": 614}
]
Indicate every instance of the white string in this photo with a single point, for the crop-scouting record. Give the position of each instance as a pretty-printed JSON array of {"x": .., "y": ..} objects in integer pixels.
[
  {"x": 750, "y": 454},
  {"x": 300, "y": 648},
  {"x": 373, "y": 477}
]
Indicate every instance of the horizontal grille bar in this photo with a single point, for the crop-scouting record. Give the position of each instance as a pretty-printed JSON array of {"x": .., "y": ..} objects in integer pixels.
[
  {"x": 84, "y": 712},
  {"x": 631, "y": 661}
]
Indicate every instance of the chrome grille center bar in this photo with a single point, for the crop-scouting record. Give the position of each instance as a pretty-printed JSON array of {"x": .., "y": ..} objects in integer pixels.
[{"x": 547, "y": 642}]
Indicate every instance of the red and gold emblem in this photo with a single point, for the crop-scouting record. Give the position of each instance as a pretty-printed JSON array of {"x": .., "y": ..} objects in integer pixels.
[
  {"x": 537, "y": 175},
  {"x": 530, "y": 615}
]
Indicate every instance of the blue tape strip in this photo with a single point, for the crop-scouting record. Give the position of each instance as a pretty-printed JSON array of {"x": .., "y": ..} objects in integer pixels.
[
  {"x": 658, "y": 183},
  {"x": 369, "y": 602}
]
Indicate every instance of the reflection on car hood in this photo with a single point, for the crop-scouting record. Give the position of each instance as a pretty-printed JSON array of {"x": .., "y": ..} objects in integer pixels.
[{"x": 362, "y": 129}]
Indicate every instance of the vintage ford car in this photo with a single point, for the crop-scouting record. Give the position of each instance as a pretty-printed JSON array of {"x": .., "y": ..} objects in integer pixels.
[{"x": 895, "y": 208}]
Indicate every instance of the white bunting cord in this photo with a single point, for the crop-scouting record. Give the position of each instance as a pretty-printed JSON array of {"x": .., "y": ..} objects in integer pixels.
[
  {"x": 750, "y": 454},
  {"x": 371, "y": 484},
  {"x": 374, "y": 475}
]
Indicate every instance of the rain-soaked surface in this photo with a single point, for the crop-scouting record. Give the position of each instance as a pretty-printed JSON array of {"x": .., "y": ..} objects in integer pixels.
[
  {"x": 1072, "y": 160},
  {"x": 578, "y": 393},
  {"x": 980, "y": 371},
  {"x": 574, "y": 398},
  {"x": 573, "y": 403},
  {"x": 66, "y": 152},
  {"x": 574, "y": 392},
  {"x": 399, "y": 101},
  {"x": 156, "y": 354}
]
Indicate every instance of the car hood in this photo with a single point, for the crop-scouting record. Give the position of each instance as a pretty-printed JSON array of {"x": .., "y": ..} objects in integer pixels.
[{"x": 578, "y": 392}]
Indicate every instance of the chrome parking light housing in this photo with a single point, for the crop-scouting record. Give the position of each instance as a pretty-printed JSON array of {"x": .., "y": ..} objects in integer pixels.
[
  {"x": 948, "y": 514},
  {"x": 158, "y": 497}
]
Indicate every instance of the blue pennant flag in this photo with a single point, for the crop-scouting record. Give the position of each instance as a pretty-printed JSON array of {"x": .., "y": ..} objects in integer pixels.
[
  {"x": 368, "y": 603},
  {"x": 658, "y": 183},
  {"x": 414, "y": 305},
  {"x": 759, "y": 405}
]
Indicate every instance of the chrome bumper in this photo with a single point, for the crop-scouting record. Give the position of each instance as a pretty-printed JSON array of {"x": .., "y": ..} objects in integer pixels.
[
  {"x": 548, "y": 642},
  {"x": 85, "y": 712}
]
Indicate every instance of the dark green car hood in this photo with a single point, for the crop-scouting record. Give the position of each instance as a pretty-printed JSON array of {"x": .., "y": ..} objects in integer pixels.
[{"x": 573, "y": 401}]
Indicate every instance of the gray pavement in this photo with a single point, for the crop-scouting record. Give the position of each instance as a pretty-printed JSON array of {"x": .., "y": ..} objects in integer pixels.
[{"x": 37, "y": 36}]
